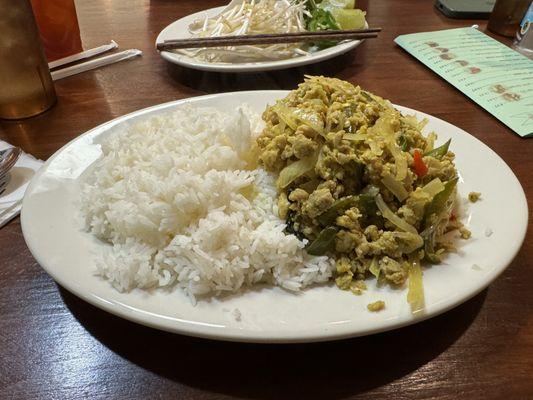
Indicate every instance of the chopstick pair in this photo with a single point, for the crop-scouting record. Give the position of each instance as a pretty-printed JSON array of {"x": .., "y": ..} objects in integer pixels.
[{"x": 276, "y": 38}]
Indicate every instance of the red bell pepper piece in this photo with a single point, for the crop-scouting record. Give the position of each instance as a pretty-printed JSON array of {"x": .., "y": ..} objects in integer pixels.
[{"x": 420, "y": 168}]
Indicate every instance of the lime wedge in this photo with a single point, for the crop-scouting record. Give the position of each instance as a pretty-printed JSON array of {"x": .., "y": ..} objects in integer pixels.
[{"x": 349, "y": 19}]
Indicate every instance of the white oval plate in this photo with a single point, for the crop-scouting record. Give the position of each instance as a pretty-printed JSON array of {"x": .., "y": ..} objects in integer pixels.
[
  {"x": 180, "y": 30},
  {"x": 52, "y": 227}
]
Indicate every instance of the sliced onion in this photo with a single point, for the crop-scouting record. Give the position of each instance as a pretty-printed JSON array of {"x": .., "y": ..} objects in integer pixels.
[
  {"x": 393, "y": 218},
  {"x": 415, "y": 293},
  {"x": 294, "y": 117},
  {"x": 383, "y": 127},
  {"x": 281, "y": 126},
  {"x": 374, "y": 267},
  {"x": 354, "y": 137},
  {"x": 430, "y": 141},
  {"x": 415, "y": 123},
  {"x": 295, "y": 170},
  {"x": 311, "y": 119},
  {"x": 409, "y": 242},
  {"x": 434, "y": 187},
  {"x": 399, "y": 159},
  {"x": 286, "y": 115},
  {"x": 396, "y": 187},
  {"x": 375, "y": 147}
]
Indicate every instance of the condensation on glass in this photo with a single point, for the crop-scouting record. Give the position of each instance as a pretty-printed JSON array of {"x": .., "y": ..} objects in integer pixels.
[{"x": 26, "y": 87}]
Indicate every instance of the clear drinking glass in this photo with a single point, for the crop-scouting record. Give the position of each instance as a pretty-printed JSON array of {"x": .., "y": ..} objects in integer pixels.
[{"x": 26, "y": 87}]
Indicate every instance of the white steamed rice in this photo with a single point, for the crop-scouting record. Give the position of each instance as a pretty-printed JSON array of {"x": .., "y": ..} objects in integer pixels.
[{"x": 168, "y": 194}]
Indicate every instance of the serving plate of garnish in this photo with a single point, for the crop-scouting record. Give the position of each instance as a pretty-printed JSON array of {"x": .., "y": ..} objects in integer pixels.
[
  {"x": 264, "y": 17},
  {"x": 271, "y": 216}
]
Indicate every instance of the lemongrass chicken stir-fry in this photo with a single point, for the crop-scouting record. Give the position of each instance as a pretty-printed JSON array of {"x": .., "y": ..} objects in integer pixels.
[
  {"x": 252, "y": 17},
  {"x": 360, "y": 182}
]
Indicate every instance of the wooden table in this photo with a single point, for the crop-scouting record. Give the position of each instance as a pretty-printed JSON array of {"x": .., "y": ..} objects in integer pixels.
[{"x": 55, "y": 346}]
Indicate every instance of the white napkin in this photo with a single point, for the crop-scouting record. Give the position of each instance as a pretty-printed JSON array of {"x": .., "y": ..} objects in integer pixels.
[{"x": 21, "y": 174}]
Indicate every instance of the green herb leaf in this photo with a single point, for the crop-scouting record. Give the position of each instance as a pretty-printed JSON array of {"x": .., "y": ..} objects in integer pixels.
[
  {"x": 324, "y": 242},
  {"x": 440, "y": 151},
  {"x": 340, "y": 206}
]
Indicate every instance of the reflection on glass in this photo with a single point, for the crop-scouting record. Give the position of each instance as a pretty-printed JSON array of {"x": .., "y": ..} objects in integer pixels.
[
  {"x": 26, "y": 86},
  {"x": 58, "y": 25},
  {"x": 506, "y": 16}
]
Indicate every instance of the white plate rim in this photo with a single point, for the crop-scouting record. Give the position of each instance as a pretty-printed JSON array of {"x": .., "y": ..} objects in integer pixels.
[
  {"x": 187, "y": 62},
  {"x": 199, "y": 330}
]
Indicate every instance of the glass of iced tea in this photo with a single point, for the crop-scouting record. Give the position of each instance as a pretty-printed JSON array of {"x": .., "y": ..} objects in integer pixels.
[
  {"x": 58, "y": 25},
  {"x": 506, "y": 16},
  {"x": 26, "y": 87}
]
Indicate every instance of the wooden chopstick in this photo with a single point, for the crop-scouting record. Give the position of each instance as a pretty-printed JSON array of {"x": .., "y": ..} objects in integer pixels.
[{"x": 267, "y": 39}]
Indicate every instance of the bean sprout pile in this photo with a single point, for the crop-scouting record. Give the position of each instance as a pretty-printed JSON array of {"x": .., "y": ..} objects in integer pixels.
[{"x": 251, "y": 17}]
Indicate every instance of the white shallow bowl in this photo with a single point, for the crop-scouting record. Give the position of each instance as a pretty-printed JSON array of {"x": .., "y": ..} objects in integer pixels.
[
  {"x": 180, "y": 30},
  {"x": 53, "y": 230}
]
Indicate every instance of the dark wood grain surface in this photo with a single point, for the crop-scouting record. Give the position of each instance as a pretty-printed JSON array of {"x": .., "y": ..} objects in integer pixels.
[{"x": 55, "y": 346}]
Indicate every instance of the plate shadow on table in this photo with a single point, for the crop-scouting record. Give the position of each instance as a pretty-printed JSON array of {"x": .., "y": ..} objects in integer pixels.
[
  {"x": 317, "y": 370},
  {"x": 286, "y": 79}
]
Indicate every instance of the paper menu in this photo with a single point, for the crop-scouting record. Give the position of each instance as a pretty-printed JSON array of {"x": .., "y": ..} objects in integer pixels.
[{"x": 496, "y": 77}]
